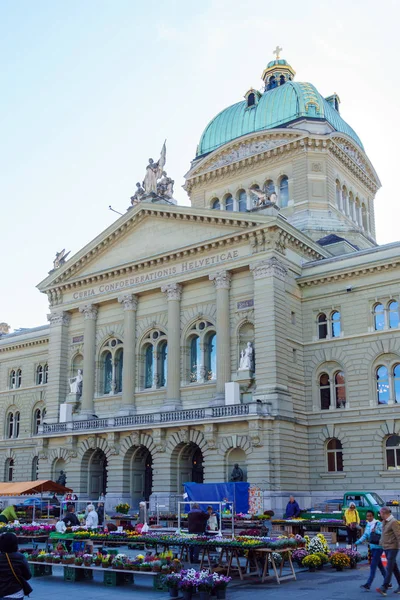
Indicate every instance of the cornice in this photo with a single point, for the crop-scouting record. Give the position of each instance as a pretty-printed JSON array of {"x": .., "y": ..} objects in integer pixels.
[
  {"x": 367, "y": 175},
  {"x": 22, "y": 344},
  {"x": 342, "y": 274}
]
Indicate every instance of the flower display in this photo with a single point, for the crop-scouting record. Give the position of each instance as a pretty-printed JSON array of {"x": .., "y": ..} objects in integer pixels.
[
  {"x": 312, "y": 561},
  {"x": 340, "y": 560},
  {"x": 122, "y": 508},
  {"x": 298, "y": 555},
  {"x": 317, "y": 544}
]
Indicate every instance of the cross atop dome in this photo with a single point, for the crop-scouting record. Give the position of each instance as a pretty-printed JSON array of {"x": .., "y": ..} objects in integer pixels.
[{"x": 277, "y": 52}]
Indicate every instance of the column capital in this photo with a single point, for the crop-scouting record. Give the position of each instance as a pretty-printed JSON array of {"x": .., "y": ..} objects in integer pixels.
[
  {"x": 89, "y": 311},
  {"x": 221, "y": 279},
  {"x": 270, "y": 267},
  {"x": 172, "y": 290},
  {"x": 59, "y": 318},
  {"x": 128, "y": 301}
]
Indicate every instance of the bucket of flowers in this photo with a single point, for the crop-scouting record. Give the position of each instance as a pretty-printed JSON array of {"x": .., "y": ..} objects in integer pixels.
[
  {"x": 172, "y": 581},
  {"x": 220, "y": 584},
  {"x": 122, "y": 508},
  {"x": 339, "y": 560},
  {"x": 205, "y": 585},
  {"x": 188, "y": 583},
  {"x": 312, "y": 561},
  {"x": 87, "y": 559}
]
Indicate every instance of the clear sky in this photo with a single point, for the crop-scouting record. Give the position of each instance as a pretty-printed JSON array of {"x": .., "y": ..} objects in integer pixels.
[{"x": 90, "y": 89}]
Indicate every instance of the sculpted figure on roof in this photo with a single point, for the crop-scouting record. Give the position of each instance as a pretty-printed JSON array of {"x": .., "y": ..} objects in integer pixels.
[{"x": 154, "y": 172}]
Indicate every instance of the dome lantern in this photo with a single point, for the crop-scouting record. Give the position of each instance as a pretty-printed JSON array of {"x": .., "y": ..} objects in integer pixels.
[{"x": 277, "y": 72}]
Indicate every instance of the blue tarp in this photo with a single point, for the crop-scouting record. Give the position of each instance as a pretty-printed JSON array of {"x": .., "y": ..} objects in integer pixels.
[{"x": 236, "y": 493}]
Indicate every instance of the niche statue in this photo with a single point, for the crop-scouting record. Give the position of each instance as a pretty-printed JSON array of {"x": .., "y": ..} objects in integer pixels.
[
  {"x": 237, "y": 473},
  {"x": 62, "y": 478}
]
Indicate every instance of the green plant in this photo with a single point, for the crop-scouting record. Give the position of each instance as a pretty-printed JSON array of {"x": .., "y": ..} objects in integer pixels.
[
  {"x": 312, "y": 561},
  {"x": 323, "y": 557},
  {"x": 122, "y": 508},
  {"x": 339, "y": 560}
]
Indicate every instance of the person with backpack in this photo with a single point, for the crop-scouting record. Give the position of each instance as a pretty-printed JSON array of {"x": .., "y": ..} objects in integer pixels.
[
  {"x": 372, "y": 535},
  {"x": 14, "y": 569}
]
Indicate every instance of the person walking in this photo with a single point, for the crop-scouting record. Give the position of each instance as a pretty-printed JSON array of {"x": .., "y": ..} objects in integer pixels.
[
  {"x": 196, "y": 524},
  {"x": 352, "y": 521},
  {"x": 372, "y": 535},
  {"x": 390, "y": 542},
  {"x": 8, "y": 514},
  {"x": 14, "y": 569},
  {"x": 292, "y": 509}
]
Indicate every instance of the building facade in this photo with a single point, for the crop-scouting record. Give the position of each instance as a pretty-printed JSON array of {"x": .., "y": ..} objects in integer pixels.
[{"x": 142, "y": 378}]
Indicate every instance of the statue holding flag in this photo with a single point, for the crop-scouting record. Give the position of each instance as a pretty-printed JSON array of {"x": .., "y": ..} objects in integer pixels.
[{"x": 154, "y": 172}]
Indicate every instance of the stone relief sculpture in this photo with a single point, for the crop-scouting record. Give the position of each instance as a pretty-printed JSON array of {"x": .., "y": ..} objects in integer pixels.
[
  {"x": 75, "y": 384},
  {"x": 247, "y": 358}
]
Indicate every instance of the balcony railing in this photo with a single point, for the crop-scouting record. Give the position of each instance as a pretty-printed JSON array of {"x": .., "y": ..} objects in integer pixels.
[{"x": 176, "y": 416}]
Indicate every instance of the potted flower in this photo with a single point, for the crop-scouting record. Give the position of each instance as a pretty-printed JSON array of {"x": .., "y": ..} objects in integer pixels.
[
  {"x": 323, "y": 557},
  {"x": 98, "y": 559},
  {"x": 312, "y": 561},
  {"x": 105, "y": 561},
  {"x": 87, "y": 559},
  {"x": 220, "y": 585},
  {"x": 145, "y": 566},
  {"x": 56, "y": 559},
  {"x": 156, "y": 566},
  {"x": 117, "y": 563},
  {"x": 339, "y": 560},
  {"x": 205, "y": 585},
  {"x": 78, "y": 561},
  {"x": 122, "y": 508},
  {"x": 298, "y": 555},
  {"x": 172, "y": 581},
  {"x": 188, "y": 583},
  {"x": 68, "y": 559}
]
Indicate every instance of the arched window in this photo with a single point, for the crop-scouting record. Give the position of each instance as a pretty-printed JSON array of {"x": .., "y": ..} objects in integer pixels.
[
  {"x": 215, "y": 204},
  {"x": 10, "y": 425},
  {"x": 352, "y": 207},
  {"x": 269, "y": 187},
  {"x": 396, "y": 383},
  {"x": 272, "y": 83},
  {"x": 379, "y": 317},
  {"x": 338, "y": 195},
  {"x": 35, "y": 468},
  {"x": 149, "y": 367},
  {"x": 335, "y": 324},
  {"x": 364, "y": 217},
  {"x": 229, "y": 203},
  {"x": 111, "y": 367},
  {"x": 16, "y": 424},
  {"x": 107, "y": 372},
  {"x": 19, "y": 378},
  {"x": 39, "y": 375},
  {"x": 382, "y": 385},
  {"x": 13, "y": 379},
  {"x": 345, "y": 200},
  {"x": 282, "y": 80},
  {"x": 119, "y": 363},
  {"x": 334, "y": 455},
  {"x": 283, "y": 192},
  {"x": 242, "y": 201},
  {"x": 325, "y": 391},
  {"x": 253, "y": 197},
  {"x": 211, "y": 357},
  {"x": 163, "y": 364},
  {"x": 322, "y": 326},
  {"x": 393, "y": 307},
  {"x": 38, "y": 417},
  {"x": 358, "y": 211},
  {"x": 251, "y": 99},
  {"x": 340, "y": 390},
  {"x": 393, "y": 452},
  {"x": 195, "y": 358},
  {"x": 45, "y": 373},
  {"x": 9, "y": 469}
]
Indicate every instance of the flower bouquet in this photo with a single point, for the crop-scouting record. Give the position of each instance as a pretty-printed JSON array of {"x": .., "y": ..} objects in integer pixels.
[
  {"x": 122, "y": 508},
  {"x": 339, "y": 560},
  {"x": 312, "y": 561}
]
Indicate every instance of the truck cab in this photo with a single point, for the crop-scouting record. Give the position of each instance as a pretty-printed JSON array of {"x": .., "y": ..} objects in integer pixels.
[{"x": 364, "y": 501}]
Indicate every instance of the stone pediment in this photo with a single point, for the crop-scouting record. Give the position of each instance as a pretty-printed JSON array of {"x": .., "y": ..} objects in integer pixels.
[{"x": 145, "y": 234}]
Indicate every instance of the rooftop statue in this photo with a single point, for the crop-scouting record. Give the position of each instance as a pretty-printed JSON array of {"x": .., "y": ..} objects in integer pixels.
[
  {"x": 263, "y": 198},
  {"x": 154, "y": 172},
  {"x": 138, "y": 195},
  {"x": 60, "y": 259},
  {"x": 165, "y": 187}
]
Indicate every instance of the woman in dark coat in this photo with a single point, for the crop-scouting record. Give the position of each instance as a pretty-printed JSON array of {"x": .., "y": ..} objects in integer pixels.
[{"x": 9, "y": 585}]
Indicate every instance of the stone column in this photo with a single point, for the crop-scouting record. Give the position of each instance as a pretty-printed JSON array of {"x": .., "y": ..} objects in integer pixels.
[
  {"x": 222, "y": 282},
  {"x": 89, "y": 359},
  {"x": 57, "y": 385},
  {"x": 129, "y": 303},
  {"x": 173, "y": 292},
  {"x": 271, "y": 348}
]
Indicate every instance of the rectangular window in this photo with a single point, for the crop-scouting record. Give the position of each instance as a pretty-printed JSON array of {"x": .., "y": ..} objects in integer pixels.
[
  {"x": 390, "y": 459},
  {"x": 331, "y": 462},
  {"x": 294, "y": 355},
  {"x": 293, "y": 318}
]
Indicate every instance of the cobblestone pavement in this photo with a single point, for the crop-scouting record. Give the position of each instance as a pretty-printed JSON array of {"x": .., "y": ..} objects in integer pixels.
[{"x": 321, "y": 585}]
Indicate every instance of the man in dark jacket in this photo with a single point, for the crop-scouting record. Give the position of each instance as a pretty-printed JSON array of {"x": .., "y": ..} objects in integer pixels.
[
  {"x": 9, "y": 585},
  {"x": 292, "y": 509},
  {"x": 197, "y": 520},
  {"x": 70, "y": 518}
]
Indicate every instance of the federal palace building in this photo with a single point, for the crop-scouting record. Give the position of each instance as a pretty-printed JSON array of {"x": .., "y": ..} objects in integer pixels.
[{"x": 258, "y": 326}]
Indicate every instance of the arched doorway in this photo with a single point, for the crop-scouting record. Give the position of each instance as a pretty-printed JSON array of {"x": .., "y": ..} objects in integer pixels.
[
  {"x": 138, "y": 474},
  {"x": 186, "y": 465},
  {"x": 94, "y": 473},
  {"x": 236, "y": 456}
]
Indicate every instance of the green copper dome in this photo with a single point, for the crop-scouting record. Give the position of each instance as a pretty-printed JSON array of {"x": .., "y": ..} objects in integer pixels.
[{"x": 276, "y": 108}]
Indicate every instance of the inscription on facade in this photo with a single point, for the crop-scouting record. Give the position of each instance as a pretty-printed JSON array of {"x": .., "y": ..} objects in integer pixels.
[
  {"x": 77, "y": 339},
  {"x": 243, "y": 304},
  {"x": 162, "y": 273}
]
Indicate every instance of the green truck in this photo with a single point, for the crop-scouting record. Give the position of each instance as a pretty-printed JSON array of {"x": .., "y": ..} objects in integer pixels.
[{"x": 334, "y": 509}]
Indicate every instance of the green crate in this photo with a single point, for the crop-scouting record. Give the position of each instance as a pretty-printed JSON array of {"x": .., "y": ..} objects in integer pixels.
[
  {"x": 71, "y": 574},
  {"x": 112, "y": 578},
  {"x": 128, "y": 578},
  {"x": 41, "y": 570},
  {"x": 87, "y": 574}
]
